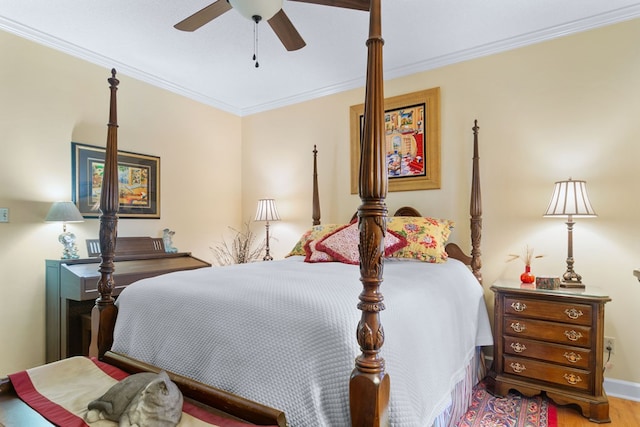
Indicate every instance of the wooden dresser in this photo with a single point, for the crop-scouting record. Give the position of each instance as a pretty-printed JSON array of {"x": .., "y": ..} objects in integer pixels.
[
  {"x": 551, "y": 341},
  {"x": 72, "y": 287}
]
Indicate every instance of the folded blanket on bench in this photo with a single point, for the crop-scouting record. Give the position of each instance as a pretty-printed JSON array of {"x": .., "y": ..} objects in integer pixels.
[{"x": 60, "y": 392}]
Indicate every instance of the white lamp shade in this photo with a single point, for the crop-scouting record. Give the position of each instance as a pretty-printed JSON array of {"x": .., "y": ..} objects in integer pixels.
[
  {"x": 64, "y": 212},
  {"x": 262, "y": 8},
  {"x": 570, "y": 199},
  {"x": 267, "y": 210}
]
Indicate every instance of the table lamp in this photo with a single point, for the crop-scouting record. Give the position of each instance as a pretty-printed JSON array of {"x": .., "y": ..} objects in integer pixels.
[
  {"x": 570, "y": 200},
  {"x": 267, "y": 211},
  {"x": 65, "y": 212}
]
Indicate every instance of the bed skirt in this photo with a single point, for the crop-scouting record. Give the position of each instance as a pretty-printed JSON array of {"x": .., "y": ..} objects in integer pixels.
[{"x": 461, "y": 394}]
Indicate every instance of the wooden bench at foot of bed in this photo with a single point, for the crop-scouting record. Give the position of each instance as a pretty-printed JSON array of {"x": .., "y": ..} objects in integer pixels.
[{"x": 224, "y": 408}]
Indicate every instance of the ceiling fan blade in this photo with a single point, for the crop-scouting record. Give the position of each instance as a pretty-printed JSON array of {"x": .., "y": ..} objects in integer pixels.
[
  {"x": 203, "y": 16},
  {"x": 286, "y": 32},
  {"x": 349, "y": 4}
]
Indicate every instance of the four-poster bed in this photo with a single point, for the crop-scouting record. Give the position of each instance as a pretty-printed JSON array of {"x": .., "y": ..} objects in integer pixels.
[
  {"x": 317, "y": 354},
  {"x": 369, "y": 385},
  {"x": 269, "y": 346}
]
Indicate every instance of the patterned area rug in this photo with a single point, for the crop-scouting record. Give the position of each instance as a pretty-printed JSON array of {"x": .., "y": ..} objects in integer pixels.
[{"x": 514, "y": 410}]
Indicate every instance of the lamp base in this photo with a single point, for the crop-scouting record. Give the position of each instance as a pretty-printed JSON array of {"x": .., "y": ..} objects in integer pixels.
[
  {"x": 571, "y": 279},
  {"x": 68, "y": 240},
  {"x": 573, "y": 285}
]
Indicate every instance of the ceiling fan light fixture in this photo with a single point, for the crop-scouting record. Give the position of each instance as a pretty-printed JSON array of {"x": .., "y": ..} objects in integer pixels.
[{"x": 262, "y": 8}]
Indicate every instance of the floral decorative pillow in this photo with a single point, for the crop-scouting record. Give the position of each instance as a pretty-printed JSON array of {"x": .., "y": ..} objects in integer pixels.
[
  {"x": 342, "y": 245},
  {"x": 426, "y": 237},
  {"x": 316, "y": 232}
]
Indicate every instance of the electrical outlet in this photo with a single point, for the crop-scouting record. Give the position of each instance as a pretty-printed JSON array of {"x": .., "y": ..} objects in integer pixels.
[{"x": 610, "y": 345}]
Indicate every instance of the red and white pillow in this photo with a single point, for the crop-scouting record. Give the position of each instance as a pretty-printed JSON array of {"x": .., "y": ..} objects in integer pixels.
[
  {"x": 315, "y": 233},
  {"x": 342, "y": 245}
]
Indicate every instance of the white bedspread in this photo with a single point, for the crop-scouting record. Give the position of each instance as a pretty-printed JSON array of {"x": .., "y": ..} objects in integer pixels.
[{"x": 283, "y": 333}]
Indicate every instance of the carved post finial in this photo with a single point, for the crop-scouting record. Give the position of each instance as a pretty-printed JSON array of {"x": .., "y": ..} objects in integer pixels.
[
  {"x": 369, "y": 386},
  {"x": 103, "y": 313},
  {"x": 476, "y": 209},
  {"x": 315, "y": 214}
]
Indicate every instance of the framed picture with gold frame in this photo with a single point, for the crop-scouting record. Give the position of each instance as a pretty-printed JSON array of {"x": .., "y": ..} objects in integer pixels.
[
  {"x": 138, "y": 182},
  {"x": 412, "y": 134}
]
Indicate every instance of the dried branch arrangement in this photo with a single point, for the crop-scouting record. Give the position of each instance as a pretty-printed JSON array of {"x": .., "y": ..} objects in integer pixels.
[
  {"x": 242, "y": 249},
  {"x": 526, "y": 257}
]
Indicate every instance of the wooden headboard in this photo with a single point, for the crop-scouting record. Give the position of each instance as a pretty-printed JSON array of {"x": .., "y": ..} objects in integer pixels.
[{"x": 454, "y": 251}]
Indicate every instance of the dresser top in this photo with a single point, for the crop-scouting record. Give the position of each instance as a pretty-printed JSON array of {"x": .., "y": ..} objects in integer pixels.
[{"x": 587, "y": 291}]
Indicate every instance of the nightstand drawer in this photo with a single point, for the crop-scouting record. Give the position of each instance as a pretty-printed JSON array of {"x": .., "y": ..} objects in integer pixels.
[
  {"x": 579, "y": 314},
  {"x": 548, "y": 331},
  {"x": 561, "y": 375},
  {"x": 565, "y": 355}
]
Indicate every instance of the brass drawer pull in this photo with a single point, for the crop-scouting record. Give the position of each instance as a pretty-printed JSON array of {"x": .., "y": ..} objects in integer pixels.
[
  {"x": 519, "y": 306},
  {"x": 517, "y": 347},
  {"x": 572, "y": 379},
  {"x": 573, "y": 313},
  {"x": 573, "y": 357},
  {"x": 573, "y": 335},
  {"x": 518, "y": 327},
  {"x": 518, "y": 367}
]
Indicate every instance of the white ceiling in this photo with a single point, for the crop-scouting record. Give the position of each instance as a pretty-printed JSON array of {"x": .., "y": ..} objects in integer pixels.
[{"x": 213, "y": 65}]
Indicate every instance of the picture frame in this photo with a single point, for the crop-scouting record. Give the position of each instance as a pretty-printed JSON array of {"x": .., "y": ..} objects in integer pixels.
[
  {"x": 412, "y": 132},
  {"x": 138, "y": 177}
]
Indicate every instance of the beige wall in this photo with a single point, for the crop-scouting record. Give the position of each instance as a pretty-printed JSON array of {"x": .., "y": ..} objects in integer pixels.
[
  {"x": 547, "y": 112},
  {"x": 560, "y": 109},
  {"x": 47, "y": 100}
]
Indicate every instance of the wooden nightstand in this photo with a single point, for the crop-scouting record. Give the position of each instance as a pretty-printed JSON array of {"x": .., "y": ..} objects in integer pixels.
[{"x": 551, "y": 341}]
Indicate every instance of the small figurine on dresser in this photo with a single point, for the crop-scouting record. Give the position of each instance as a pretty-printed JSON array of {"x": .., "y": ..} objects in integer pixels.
[{"x": 168, "y": 242}]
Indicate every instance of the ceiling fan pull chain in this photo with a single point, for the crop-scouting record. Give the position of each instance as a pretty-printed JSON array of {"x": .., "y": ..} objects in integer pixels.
[{"x": 256, "y": 19}]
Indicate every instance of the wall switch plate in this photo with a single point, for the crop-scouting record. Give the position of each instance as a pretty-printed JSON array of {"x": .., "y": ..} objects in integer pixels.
[{"x": 4, "y": 214}]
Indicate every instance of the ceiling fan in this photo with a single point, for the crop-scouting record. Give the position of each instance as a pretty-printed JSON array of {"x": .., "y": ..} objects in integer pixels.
[{"x": 269, "y": 10}]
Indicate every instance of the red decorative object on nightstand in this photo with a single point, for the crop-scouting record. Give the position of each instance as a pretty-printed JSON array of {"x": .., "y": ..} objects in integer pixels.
[{"x": 527, "y": 276}]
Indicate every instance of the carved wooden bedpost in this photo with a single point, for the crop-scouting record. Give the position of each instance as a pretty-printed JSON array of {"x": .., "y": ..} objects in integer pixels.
[
  {"x": 369, "y": 385},
  {"x": 476, "y": 209},
  {"x": 316, "y": 199},
  {"x": 104, "y": 312}
]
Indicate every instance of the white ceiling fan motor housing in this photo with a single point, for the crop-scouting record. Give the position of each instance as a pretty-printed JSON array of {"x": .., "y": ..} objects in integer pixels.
[{"x": 265, "y": 9}]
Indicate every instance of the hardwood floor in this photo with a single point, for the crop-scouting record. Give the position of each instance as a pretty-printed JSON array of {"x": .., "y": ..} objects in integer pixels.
[{"x": 622, "y": 412}]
